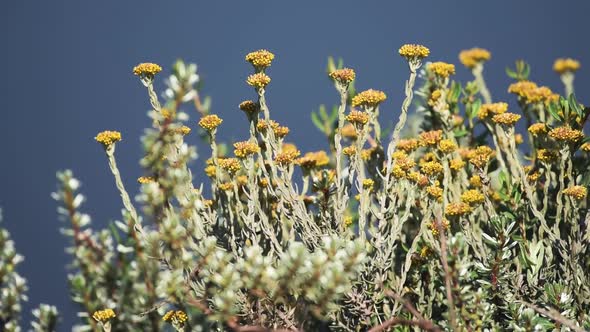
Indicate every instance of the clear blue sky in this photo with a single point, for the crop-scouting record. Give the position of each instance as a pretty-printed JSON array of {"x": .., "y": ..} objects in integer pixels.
[{"x": 66, "y": 75}]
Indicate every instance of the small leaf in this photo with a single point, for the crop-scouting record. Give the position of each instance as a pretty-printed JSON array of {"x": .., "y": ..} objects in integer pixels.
[{"x": 316, "y": 121}]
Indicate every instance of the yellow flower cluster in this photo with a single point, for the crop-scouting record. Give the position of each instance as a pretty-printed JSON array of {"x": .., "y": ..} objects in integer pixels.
[
  {"x": 442, "y": 69},
  {"x": 457, "y": 209},
  {"x": 313, "y": 159},
  {"x": 480, "y": 156},
  {"x": 434, "y": 97},
  {"x": 249, "y": 106},
  {"x": 447, "y": 146},
  {"x": 103, "y": 315},
  {"x": 348, "y": 131},
  {"x": 546, "y": 155},
  {"x": 562, "y": 66},
  {"x": 435, "y": 191},
  {"x": 286, "y": 157},
  {"x": 470, "y": 58},
  {"x": 530, "y": 93},
  {"x": 472, "y": 197},
  {"x": 408, "y": 145},
  {"x": 369, "y": 98},
  {"x": 368, "y": 184},
  {"x": 244, "y": 149},
  {"x": 537, "y": 129},
  {"x": 566, "y": 134},
  {"x": 146, "y": 69},
  {"x": 414, "y": 51},
  {"x": 108, "y": 137},
  {"x": 431, "y": 168},
  {"x": 260, "y": 58},
  {"x": 507, "y": 119},
  {"x": 226, "y": 186},
  {"x": 230, "y": 165},
  {"x": 576, "y": 192},
  {"x": 418, "y": 178},
  {"x": 183, "y": 130},
  {"x": 585, "y": 147},
  {"x": 210, "y": 122},
  {"x": 434, "y": 228},
  {"x": 357, "y": 117},
  {"x": 475, "y": 181},
  {"x": 145, "y": 179},
  {"x": 210, "y": 170},
  {"x": 344, "y": 75},
  {"x": 258, "y": 80},
  {"x": 175, "y": 317},
  {"x": 430, "y": 138},
  {"x": 456, "y": 164},
  {"x": 495, "y": 108}
]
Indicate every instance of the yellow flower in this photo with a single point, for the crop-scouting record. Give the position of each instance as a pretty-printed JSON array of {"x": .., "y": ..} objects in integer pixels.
[
  {"x": 434, "y": 97},
  {"x": 343, "y": 76},
  {"x": 357, "y": 117},
  {"x": 445, "y": 224},
  {"x": 435, "y": 191},
  {"x": 414, "y": 51},
  {"x": 546, "y": 155},
  {"x": 210, "y": 122},
  {"x": 442, "y": 69},
  {"x": 108, "y": 137},
  {"x": 347, "y": 221},
  {"x": 184, "y": 130},
  {"x": 530, "y": 93},
  {"x": 348, "y": 131},
  {"x": 431, "y": 168},
  {"x": 533, "y": 177},
  {"x": 585, "y": 147},
  {"x": 521, "y": 88},
  {"x": 260, "y": 58},
  {"x": 457, "y": 209},
  {"x": 398, "y": 172},
  {"x": 258, "y": 80},
  {"x": 249, "y": 106},
  {"x": 168, "y": 114},
  {"x": 480, "y": 156},
  {"x": 518, "y": 139},
  {"x": 447, "y": 146},
  {"x": 262, "y": 125},
  {"x": 470, "y": 58},
  {"x": 472, "y": 197},
  {"x": 177, "y": 318},
  {"x": 103, "y": 316},
  {"x": 244, "y": 149},
  {"x": 456, "y": 164},
  {"x": 538, "y": 129},
  {"x": 506, "y": 119},
  {"x": 281, "y": 131},
  {"x": 369, "y": 98},
  {"x": 566, "y": 134},
  {"x": 286, "y": 157},
  {"x": 368, "y": 184},
  {"x": 418, "y": 178},
  {"x": 210, "y": 171},
  {"x": 145, "y": 179},
  {"x": 475, "y": 181},
  {"x": 430, "y": 138},
  {"x": 230, "y": 165},
  {"x": 242, "y": 180},
  {"x": 227, "y": 186},
  {"x": 314, "y": 159},
  {"x": 576, "y": 192},
  {"x": 496, "y": 108},
  {"x": 349, "y": 150},
  {"x": 146, "y": 69},
  {"x": 408, "y": 145},
  {"x": 562, "y": 66}
]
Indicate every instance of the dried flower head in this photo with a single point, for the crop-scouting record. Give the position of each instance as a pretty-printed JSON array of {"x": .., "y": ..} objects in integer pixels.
[
  {"x": 258, "y": 80},
  {"x": 562, "y": 66},
  {"x": 369, "y": 98},
  {"x": 546, "y": 156},
  {"x": 262, "y": 125},
  {"x": 104, "y": 315},
  {"x": 576, "y": 192},
  {"x": 506, "y": 119},
  {"x": 457, "y": 209},
  {"x": 435, "y": 229},
  {"x": 230, "y": 165},
  {"x": 430, "y": 138},
  {"x": 281, "y": 131},
  {"x": 472, "y": 197},
  {"x": 418, "y": 178},
  {"x": 147, "y": 69},
  {"x": 414, "y": 51},
  {"x": 447, "y": 146},
  {"x": 470, "y": 58},
  {"x": 343, "y": 76},
  {"x": 245, "y": 149},
  {"x": 566, "y": 134},
  {"x": 480, "y": 156},
  {"x": 442, "y": 69},
  {"x": 108, "y": 137},
  {"x": 249, "y": 106},
  {"x": 260, "y": 59},
  {"x": 210, "y": 122},
  {"x": 492, "y": 109},
  {"x": 358, "y": 118},
  {"x": 537, "y": 129},
  {"x": 145, "y": 179}
]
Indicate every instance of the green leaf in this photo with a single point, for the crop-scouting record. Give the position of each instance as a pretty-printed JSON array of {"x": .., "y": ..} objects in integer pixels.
[
  {"x": 575, "y": 105},
  {"x": 511, "y": 73},
  {"x": 475, "y": 108},
  {"x": 553, "y": 111},
  {"x": 460, "y": 133},
  {"x": 316, "y": 121}
]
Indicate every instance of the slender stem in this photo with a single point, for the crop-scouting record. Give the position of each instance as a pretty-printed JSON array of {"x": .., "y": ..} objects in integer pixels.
[{"x": 477, "y": 72}]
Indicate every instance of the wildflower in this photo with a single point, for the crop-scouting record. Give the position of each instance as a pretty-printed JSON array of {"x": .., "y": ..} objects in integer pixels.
[
  {"x": 177, "y": 318},
  {"x": 260, "y": 59},
  {"x": 480, "y": 156},
  {"x": 566, "y": 134},
  {"x": 472, "y": 197},
  {"x": 349, "y": 150},
  {"x": 546, "y": 156},
  {"x": 521, "y": 88},
  {"x": 148, "y": 70},
  {"x": 347, "y": 221},
  {"x": 470, "y": 58},
  {"x": 518, "y": 139},
  {"x": 244, "y": 149},
  {"x": 343, "y": 76},
  {"x": 414, "y": 51},
  {"x": 435, "y": 229},
  {"x": 348, "y": 131},
  {"x": 210, "y": 122},
  {"x": 457, "y": 120},
  {"x": 475, "y": 181},
  {"x": 418, "y": 178},
  {"x": 369, "y": 98},
  {"x": 208, "y": 203},
  {"x": 226, "y": 186},
  {"x": 540, "y": 94},
  {"x": 230, "y": 165},
  {"x": 562, "y": 66},
  {"x": 533, "y": 177},
  {"x": 495, "y": 108},
  {"x": 145, "y": 179},
  {"x": 405, "y": 163},
  {"x": 108, "y": 138},
  {"x": 262, "y": 125},
  {"x": 368, "y": 184},
  {"x": 313, "y": 159},
  {"x": 263, "y": 182},
  {"x": 249, "y": 106},
  {"x": 447, "y": 146},
  {"x": 434, "y": 97},
  {"x": 408, "y": 145},
  {"x": 430, "y": 137},
  {"x": 210, "y": 171},
  {"x": 442, "y": 69},
  {"x": 357, "y": 118},
  {"x": 398, "y": 172},
  {"x": 184, "y": 130},
  {"x": 281, "y": 131},
  {"x": 286, "y": 157},
  {"x": 431, "y": 168},
  {"x": 576, "y": 192},
  {"x": 242, "y": 180},
  {"x": 537, "y": 129},
  {"x": 167, "y": 114},
  {"x": 104, "y": 315},
  {"x": 585, "y": 147},
  {"x": 506, "y": 119},
  {"x": 456, "y": 164},
  {"x": 367, "y": 153},
  {"x": 457, "y": 209},
  {"x": 435, "y": 191},
  {"x": 258, "y": 80}
]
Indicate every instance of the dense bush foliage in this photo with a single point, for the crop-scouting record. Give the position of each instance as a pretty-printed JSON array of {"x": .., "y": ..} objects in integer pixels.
[{"x": 452, "y": 220}]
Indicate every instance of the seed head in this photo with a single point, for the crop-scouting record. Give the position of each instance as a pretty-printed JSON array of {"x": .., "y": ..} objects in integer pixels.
[{"x": 249, "y": 106}]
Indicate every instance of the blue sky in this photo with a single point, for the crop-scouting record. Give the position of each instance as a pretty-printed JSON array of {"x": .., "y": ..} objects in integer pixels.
[{"x": 66, "y": 75}]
